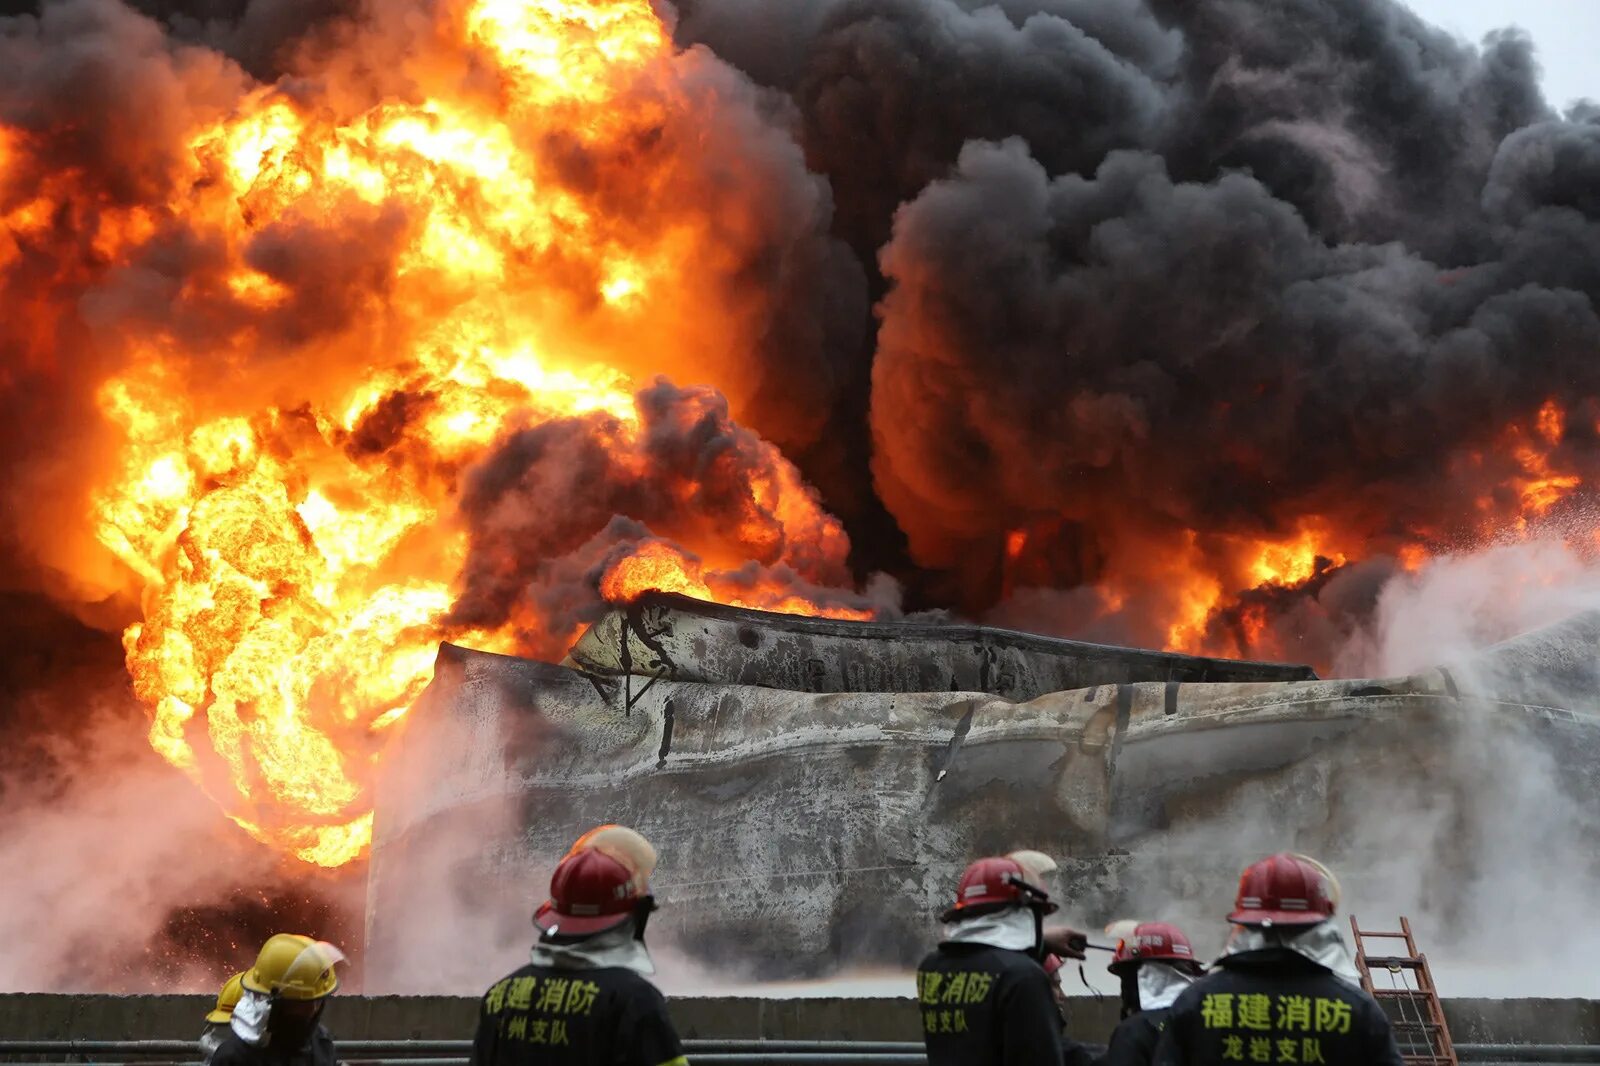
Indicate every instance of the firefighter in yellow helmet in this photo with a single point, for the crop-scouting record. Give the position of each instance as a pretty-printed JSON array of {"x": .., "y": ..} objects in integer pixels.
[
  {"x": 277, "y": 1020},
  {"x": 217, "y": 1021}
]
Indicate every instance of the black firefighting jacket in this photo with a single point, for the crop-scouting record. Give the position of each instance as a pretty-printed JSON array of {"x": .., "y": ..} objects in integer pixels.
[
  {"x": 544, "y": 1016},
  {"x": 986, "y": 1006},
  {"x": 318, "y": 1051},
  {"x": 1273, "y": 1006},
  {"x": 1133, "y": 1042}
]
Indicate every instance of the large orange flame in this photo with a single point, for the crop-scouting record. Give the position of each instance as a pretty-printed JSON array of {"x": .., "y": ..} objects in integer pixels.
[
  {"x": 295, "y": 577},
  {"x": 1527, "y": 483},
  {"x": 548, "y": 210}
]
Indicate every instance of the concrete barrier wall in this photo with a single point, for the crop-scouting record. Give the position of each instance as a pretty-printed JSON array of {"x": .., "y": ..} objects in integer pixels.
[{"x": 37, "y": 1016}]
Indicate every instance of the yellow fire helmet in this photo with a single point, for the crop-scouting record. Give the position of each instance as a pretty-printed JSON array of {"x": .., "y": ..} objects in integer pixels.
[
  {"x": 627, "y": 846},
  {"x": 294, "y": 967},
  {"x": 227, "y": 999}
]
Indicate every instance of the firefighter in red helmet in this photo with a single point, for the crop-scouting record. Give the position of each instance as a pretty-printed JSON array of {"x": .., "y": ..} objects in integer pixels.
[
  {"x": 1285, "y": 989},
  {"x": 1156, "y": 963},
  {"x": 584, "y": 999},
  {"x": 983, "y": 994}
]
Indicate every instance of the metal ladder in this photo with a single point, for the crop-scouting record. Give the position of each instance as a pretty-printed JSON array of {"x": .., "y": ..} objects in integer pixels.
[{"x": 1408, "y": 996}]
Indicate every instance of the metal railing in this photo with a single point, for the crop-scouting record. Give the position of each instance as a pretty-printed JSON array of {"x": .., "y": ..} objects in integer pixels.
[{"x": 705, "y": 1052}]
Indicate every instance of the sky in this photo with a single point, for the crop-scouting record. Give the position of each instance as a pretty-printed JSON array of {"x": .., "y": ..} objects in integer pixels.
[{"x": 1565, "y": 31}]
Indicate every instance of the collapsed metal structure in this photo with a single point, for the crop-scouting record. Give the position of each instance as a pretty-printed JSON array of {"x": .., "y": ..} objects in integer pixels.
[
  {"x": 675, "y": 638},
  {"x": 814, "y": 786}
]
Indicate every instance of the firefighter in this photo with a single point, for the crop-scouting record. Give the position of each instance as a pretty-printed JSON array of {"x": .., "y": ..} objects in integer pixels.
[
  {"x": 217, "y": 1021},
  {"x": 1282, "y": 990},
  {"x": 1155, "y": 963},
  {"x": 984, "y": 997},
  {"x": 584, "y": 999},
  {"x": 277, "y": 1020}
]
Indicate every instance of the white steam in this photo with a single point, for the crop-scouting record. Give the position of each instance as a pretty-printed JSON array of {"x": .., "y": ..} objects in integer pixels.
[
  {"x": 99, "y": 858},
  {"x": 1480, "y": 825},
  {"x": 1455, "y": 604},
  {"x": 1484, "y": 836},
  {"x": 1511, "y": 846}
]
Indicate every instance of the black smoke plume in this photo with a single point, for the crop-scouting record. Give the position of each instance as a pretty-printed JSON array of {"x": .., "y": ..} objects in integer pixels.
[{"x": 1163, "y": 267}]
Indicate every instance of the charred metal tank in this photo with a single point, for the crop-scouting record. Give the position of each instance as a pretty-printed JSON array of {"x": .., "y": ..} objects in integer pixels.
[
  {"x": 811, "y": 829},
  {"x": 679, "y": 639}
]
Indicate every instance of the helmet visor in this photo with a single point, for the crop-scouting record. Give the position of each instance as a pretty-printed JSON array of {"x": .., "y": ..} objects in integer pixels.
[{"x": 311, "y": 975}]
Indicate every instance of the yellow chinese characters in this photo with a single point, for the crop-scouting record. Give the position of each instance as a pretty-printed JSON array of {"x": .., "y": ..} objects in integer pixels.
[
  {"x": 537, "y": 1011},
  {"x": 1281, "y": 1029},
  {"x": 944, "y": 997},
  {"x": 953, "y": 988}
]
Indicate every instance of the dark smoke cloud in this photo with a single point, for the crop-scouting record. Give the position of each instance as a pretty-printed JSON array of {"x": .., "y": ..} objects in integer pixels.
[
  {"x": 260, "y": 35},
  {"x": 103, "y": 90},
  {"x": 553, "y": 507},
  {"x": 1345, "y": 226},
  {"x": 892, "y": 89},
  {"x": 1198, "y": 355},
  {"x": 1551, "y": 165},
  {"x": 263, "y": 36},
  {"x": 1373, "y": 124}
]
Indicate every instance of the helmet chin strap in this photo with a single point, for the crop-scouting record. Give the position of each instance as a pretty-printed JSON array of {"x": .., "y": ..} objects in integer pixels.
[
  {"x": 647, "y": 906},
  {"x": 1035, "y": 899},
  {"x": 1098, "y": 995}
]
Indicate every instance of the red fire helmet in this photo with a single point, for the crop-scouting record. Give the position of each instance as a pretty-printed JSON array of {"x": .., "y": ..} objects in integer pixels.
[
  {"x": 1284, "y": 889},
  {"x": 1152, "y": 942},
  {"x": 590, "y": 892},
  {"x": 990, "y": 884}
]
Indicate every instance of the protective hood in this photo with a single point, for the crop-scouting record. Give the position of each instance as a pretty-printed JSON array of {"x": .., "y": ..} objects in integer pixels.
[
  {"x": 249, "y": 1019},
  {"x": 1319, "y": 943},
  {"x": 1161, "y": 983},
  {"x": 614, "y": 947},
  {"x": 1014, "y": 929}
]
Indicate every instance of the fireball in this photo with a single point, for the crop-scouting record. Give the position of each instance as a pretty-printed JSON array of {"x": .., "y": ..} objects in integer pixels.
[{"x": 292, "y": 526}]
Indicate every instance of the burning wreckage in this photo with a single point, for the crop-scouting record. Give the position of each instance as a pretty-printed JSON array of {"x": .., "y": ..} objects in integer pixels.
[{"x": 815, "y": 785}]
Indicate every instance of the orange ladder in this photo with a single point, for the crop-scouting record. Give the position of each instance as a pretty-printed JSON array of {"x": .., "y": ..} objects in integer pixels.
[{"x": 1408, "y": 997}]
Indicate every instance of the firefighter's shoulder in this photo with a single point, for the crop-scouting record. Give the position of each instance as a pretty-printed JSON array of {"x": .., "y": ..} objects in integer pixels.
[
  {"x": 1190, "y": 999},
  {"x": 632, "y": 990},
  {"x": 232, "y": 1052},
  {"x": 957, "y": 956},
  {"x": 975, "y": 973},
  {"x": 495, "y": 995}
]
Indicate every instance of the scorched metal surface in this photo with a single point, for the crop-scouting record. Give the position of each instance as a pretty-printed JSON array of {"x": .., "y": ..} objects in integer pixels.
[{"x": 803, "y": 833}]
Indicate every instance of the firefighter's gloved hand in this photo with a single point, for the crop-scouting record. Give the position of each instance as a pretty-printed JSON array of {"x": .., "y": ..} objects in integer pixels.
[{"x": 1065, "y": 941}]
